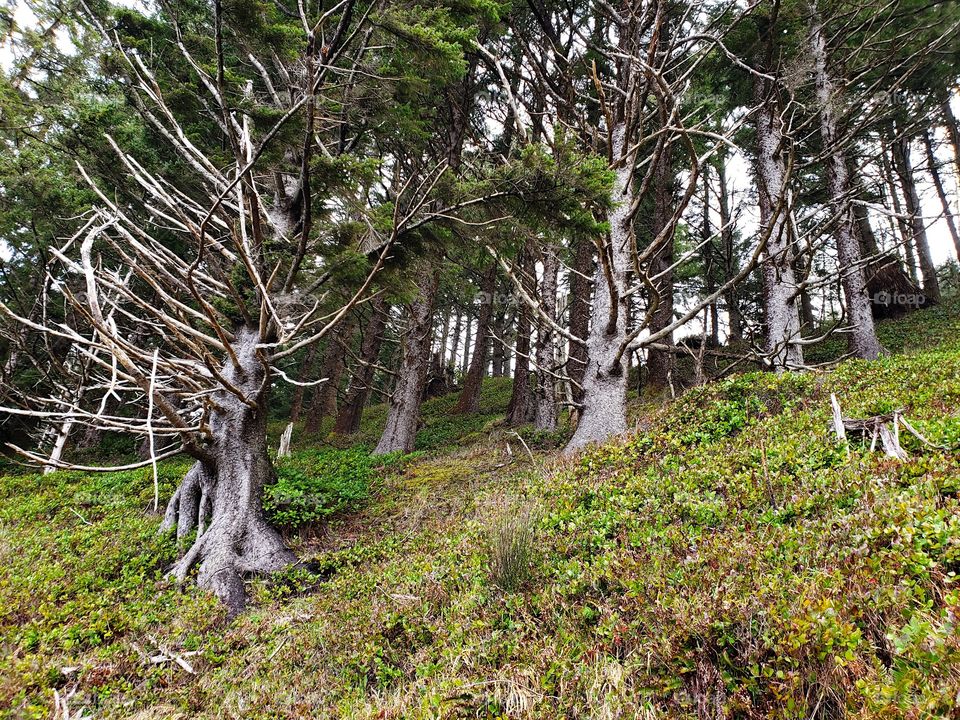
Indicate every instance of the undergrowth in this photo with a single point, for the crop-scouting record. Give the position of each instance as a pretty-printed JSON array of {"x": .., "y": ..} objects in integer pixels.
[{"x": 730, "y": 560}]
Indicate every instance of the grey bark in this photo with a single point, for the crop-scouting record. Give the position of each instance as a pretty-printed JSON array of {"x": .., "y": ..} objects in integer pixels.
[
  {"x": 862, "y": 339},
  {"x": 220, "y": 497},
  {"x": 604, "y": 412},
  {"x": 780, "y": 285}
]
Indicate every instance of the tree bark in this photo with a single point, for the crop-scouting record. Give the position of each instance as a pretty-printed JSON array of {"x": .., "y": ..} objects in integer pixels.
[
  {"x": 465, "y": 363},
  {"x": 579, "y": 325},
  {"x": 545, "y": 409},
  {"x": 906, "y": 239},
  {"x": 953, "y": 132},
  {"x": 941, "y": 191},
  {"x": 780, "y": 285},
  {"x": 457, "y": 327},
  {"x": 604, "y": 411},
  {"x": 306, "y": 372},
  {"x": 403, "y": 416},
  {"x": 928, "y": 271},
  {"x": 660, "y": 363},
  {"x": 358, "y": 393},
  {"x": 221, "y": 495},
  {"x": 469, "y": 401},
  {"x": 862, "y": 340},
  {"x": 518, "y": 408},
  {"x": 323, "y": 403}
]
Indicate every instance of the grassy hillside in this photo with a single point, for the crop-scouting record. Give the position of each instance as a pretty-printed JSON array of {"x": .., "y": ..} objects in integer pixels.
[{"x": 727, "y": 559}]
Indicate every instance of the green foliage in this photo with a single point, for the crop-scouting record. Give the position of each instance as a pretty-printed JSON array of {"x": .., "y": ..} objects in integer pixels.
[{"x": 312, "y": 485}]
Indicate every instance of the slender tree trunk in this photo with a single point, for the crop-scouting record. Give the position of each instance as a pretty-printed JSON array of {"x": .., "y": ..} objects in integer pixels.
[
  {"x": 903, "y": 164},
  {"x": 604, "y": 411},
  {"x": 545, "y": 410},
  {"x": 579, "y": 326},
  {"x": 457, "y": 327},
  {"x": 941, "y": 192},
  {"x": 660, "y": 363},
  {"x": 953, "y": 132},
  {"x": 868, "y": 239},
  {"x": 728, "y": 237},
  {"x": 518, "y": 409},
  {"x": 221, "y": 495},
  {"x": 444, "y": 336},
  {"x": 465, "y": 363},
  {"x": 469, "y": 401},
  {"x": 906, "y": 237},
  {"x": 404, "y": 413},
  {"x": 497, "y": 339},
  {"x": 706, "y": 235},
  {"x": 780, "y": 285},
  {"x": 323, "y": 402},
  {"x": 358, "y": 394},
  {"x": 862, "y": 340},
  {"x": 306, "y": 373}
]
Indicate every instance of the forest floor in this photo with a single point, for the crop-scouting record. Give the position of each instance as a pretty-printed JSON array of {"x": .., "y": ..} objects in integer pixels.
[{"x": 729, "y": 558}]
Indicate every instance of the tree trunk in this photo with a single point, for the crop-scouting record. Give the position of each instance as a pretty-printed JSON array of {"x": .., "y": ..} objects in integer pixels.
[
  {"x": 868, "y": 239},
  {"x": 221, "y": 495},
  {"x": 953, "y": 132},
  {"x": 903, "y": 164},
  {"x": 457, "y": 327},
  {"x": 323, "y": 403},
  {"x": 469, "y": 401},
  {"x": 306, "y": 373},
  {"x": 906, "y": 240},
  {"x": 780, "y": 285},
  {"x": 660, "y": 363},
  {"x": 497, "y": 339},
  {"x": 403, "y": 417},
  {"x": 465, "y": 363},
  {"x": 545, "y": 410},
  {"x": 941, "y": 192},
  {"x": 358, "y": 394},
  {"x": 579, "y": 325},
  {"x": 862, "y": 340},
  {"x": 730, "y": 264},
  {"x": 518, "y": 408},
  {"x": 707, "y": 251},
  {"x": 605, "y": 380}
]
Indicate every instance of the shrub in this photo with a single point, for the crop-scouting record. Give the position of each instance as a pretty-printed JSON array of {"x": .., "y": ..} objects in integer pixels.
[{"x": 313, "y": 485}]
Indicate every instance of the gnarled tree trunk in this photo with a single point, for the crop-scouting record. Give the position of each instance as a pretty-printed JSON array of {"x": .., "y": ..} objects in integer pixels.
[
  {"x": 604, "y": 410},
  {"x": 221, "y": 495}
]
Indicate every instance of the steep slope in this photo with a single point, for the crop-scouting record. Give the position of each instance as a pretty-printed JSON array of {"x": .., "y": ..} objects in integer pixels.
[{"x": 727, "y": 559}]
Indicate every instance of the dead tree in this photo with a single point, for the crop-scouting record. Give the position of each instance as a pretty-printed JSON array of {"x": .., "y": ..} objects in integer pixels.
[{"x": 195, "y": 339}]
